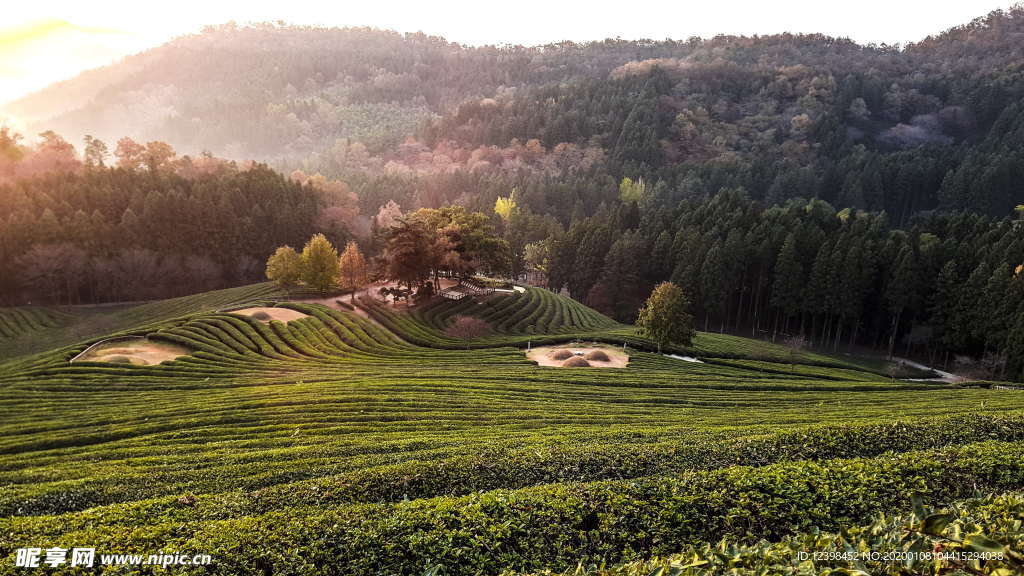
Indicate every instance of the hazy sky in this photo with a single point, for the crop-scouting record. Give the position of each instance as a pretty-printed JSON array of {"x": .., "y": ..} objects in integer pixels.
[{"x": 49, "y": 40}]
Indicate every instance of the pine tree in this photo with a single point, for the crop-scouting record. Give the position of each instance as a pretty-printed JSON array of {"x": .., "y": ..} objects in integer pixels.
[
  {"x": 995, "y": 326},
  {"x": 818, "y": 289},
  {"x": 969, "y": 321},
  {"x": 788, "y": 287},
  {"x": 1015, "y": 348},
  {"x": 943, "y": 311},
  {"x": 661, "y": 257},
  {"x": 714, "y": 284},
  {"x": 900, "y": 293},
  {"x": 410, "y": 254},
  {"x": 619, "y": 288}
]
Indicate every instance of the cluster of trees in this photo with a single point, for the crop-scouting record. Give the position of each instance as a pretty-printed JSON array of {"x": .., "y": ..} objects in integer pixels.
[
  {"x": 416, "y": 251},
  {"x": 948, "y": 284},
  {"x": 319, "y": 267},
  {"x": 880, "y": 139},
  {"x": 792, "y": 185},
  {"x": 872, "y": 128},
  {"x": 449, "y": 241}
]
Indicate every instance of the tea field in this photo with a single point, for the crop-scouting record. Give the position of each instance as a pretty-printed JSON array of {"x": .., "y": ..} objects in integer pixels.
[{"x": 372, "y": 443}]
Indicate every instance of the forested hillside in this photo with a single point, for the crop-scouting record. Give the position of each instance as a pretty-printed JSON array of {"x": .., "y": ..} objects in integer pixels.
[
  {"x": 155, "y": 226},
  {"x": 873, "y": 127},
  {"x": 794, "y": 185}
]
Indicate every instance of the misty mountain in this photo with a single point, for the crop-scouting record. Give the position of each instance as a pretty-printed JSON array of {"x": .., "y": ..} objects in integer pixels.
[
  {"x": 935, "y": 124},
  {"x": 273, "y": 91}
]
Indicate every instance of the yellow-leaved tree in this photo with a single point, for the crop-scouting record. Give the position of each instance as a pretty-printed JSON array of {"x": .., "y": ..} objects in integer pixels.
[
  {"x": 320, "y": 264},
  {"x": 505, "y": 207},
  {"x": 284, "y": 267}
]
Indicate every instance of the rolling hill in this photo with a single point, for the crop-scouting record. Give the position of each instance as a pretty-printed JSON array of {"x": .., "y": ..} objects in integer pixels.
[
  {"x": 272, "y": 91},
  {"x": 367, "y": 441}
]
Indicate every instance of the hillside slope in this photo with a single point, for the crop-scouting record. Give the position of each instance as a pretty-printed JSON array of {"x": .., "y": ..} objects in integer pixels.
[
  {"x": 326, "y": 435},
  {"x": 75, "y": 324},
  {"x": 272, "y": 91}
]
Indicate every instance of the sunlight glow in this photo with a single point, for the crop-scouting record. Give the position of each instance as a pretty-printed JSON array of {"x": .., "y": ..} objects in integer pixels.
[{"x": 37, "y": 53}]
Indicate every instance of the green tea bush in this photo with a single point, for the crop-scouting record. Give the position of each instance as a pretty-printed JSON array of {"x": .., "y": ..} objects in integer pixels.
[
  {"x": 927, "y": 542},
  {"x": 560, "y": 526}
]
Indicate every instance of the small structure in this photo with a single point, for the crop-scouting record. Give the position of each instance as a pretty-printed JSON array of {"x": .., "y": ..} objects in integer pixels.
[{"x": 466, "y": 288}]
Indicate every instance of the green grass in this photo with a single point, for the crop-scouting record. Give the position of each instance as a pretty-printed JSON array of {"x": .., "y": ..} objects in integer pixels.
[{"x": 380, "y": 445}]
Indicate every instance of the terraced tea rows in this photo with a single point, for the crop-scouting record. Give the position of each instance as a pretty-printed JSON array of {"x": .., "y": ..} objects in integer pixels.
[
  {"x": 536, "y": 311},
  {"x": 17, "y": 321},
  {"x": 90, "y": 322},
  {"x": 380, "y": 445}
]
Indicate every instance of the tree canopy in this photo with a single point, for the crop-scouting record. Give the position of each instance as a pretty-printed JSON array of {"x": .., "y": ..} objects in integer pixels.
[{"x": 664, "y": 317}]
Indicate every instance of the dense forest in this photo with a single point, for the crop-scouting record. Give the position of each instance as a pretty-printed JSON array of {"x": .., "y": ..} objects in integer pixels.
[
  {"x": 795, "y": 186},
  {"x": 153, "y": 226}
]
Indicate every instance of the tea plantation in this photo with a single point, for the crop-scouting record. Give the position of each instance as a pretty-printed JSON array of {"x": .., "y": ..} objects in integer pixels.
[{"x": 369, "y": 442}]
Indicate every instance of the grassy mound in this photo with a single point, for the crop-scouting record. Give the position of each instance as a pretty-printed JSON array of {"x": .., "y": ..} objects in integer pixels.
[
  {"x": 561, "y": 354},
  {"x": 598, "y": 356},
  {"x": 576, "y": 362}
]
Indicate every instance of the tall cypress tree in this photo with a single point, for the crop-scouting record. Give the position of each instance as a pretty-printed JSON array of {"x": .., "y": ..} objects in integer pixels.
[
  {"x": 788, "y": 286},
  {"x": 713, "y": 284},
  {"x": 901, "y": 291},
  {"x": 943, "y": 312},
  {"x": 818, "y": 289}
]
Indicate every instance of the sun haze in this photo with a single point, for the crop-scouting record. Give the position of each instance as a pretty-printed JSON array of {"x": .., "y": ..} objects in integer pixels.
[{"x": 36, "y": 53}]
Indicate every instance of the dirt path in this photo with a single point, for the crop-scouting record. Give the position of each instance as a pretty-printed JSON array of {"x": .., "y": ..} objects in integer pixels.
[{"x": 947, "y": 377}]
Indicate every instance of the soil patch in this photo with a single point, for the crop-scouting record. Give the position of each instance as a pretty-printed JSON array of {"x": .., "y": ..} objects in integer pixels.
[
  {"x": 266, "y": 314},
  {"x": 137, "y": 351},
  {"x": 590, "y": 354}
]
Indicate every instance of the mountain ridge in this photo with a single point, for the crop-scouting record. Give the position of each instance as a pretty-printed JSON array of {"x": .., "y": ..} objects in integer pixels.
[{"x": 303, "y": 88}]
